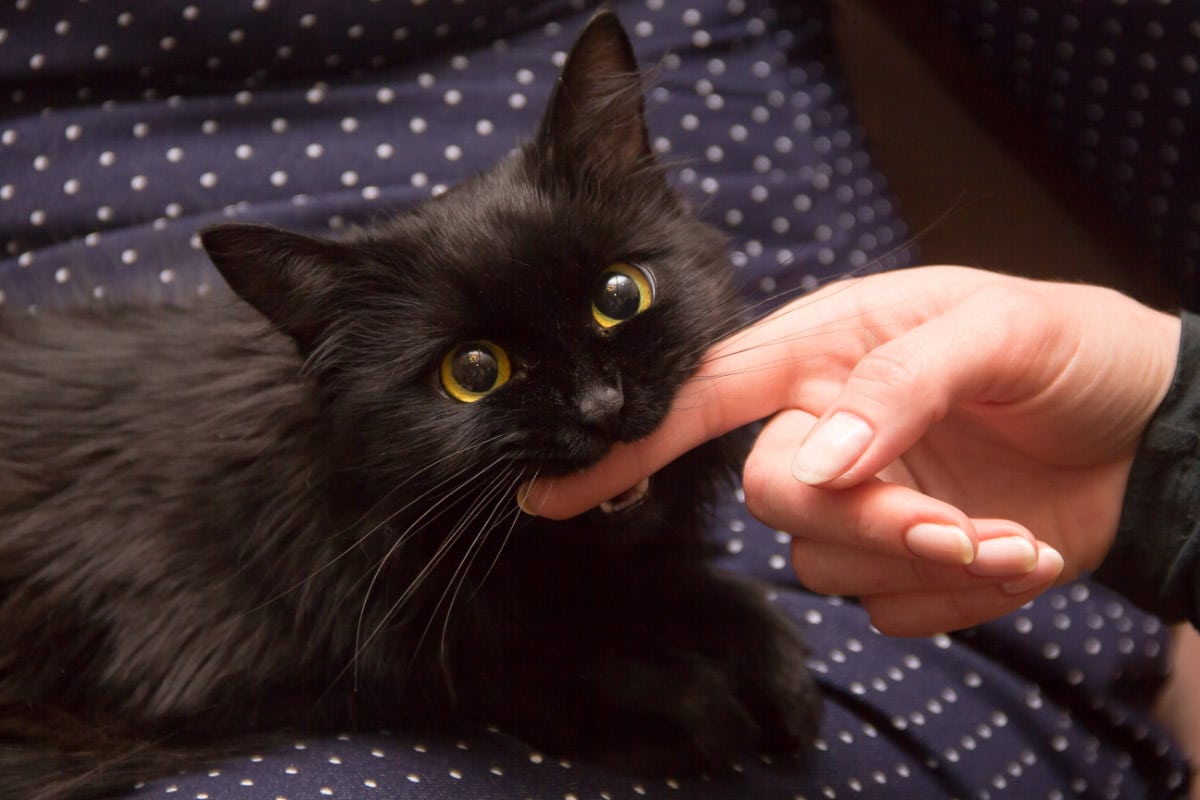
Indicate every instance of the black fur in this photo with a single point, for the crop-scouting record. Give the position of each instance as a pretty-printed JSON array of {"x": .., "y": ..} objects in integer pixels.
[{"x": 270, "y": 514}]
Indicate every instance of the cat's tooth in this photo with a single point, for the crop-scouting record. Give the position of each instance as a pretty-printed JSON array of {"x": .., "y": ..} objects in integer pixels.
[{"x": 627, "y": 498}]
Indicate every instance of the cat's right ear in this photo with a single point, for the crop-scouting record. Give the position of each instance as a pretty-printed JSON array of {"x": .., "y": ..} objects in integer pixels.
[
  {"x": 289, "y": 277},
  {"x": 595, "y": 118}
]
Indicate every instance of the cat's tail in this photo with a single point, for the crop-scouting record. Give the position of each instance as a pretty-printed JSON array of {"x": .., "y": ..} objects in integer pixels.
[
  {"x": 56, "y": 757},
  {"x": 36, "y": 773}
]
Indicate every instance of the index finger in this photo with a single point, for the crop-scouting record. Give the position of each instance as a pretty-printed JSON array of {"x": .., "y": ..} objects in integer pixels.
[{"x": 744, "y": 378}]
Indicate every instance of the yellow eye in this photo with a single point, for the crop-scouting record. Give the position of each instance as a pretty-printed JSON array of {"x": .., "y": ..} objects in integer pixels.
[
  {"x": 473, "y": 370},
  {"x": 623, "y": 292}
]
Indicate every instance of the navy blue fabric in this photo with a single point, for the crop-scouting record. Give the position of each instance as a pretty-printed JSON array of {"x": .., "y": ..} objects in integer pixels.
[
  {"x": 126, "y": 131},
  {"x": 1118, "y": 84},
  {"x": 123, "y": 131}
]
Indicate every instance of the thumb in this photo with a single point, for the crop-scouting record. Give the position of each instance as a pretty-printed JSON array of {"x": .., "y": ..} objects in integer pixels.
[{"x": 983, "y": 349}]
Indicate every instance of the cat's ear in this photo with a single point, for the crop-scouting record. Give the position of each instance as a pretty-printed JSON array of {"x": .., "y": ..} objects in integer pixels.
[
  {"x": 289, "y": 277},
  {"x": 595, "y": 116}
]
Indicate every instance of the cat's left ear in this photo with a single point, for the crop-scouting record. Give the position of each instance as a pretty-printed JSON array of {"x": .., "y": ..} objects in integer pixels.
[
  {"x": 596, "y": 113},
  {"x": 289, "y": 277}
]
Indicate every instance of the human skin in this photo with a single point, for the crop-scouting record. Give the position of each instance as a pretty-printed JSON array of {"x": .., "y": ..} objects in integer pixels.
[{"x": 943, "y": 442}]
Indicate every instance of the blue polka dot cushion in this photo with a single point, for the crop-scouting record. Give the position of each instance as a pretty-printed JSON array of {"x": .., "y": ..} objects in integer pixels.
[
  {"x": 1118, "y": 84},
  {"x": 127, "y": 131},
  {"x": 124, "y": 130}
]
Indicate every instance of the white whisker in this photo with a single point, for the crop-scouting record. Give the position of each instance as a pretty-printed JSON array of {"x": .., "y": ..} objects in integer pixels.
[
  {"x": 424, "y": 519},
  {"x": 371, "y": 531}
]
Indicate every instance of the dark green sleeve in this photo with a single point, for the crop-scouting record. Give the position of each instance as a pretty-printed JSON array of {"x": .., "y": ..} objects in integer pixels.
[{"x": 1155, "y": 559}]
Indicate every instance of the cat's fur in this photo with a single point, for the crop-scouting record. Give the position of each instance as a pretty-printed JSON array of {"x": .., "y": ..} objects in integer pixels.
[{"x": 267, "y": 514}]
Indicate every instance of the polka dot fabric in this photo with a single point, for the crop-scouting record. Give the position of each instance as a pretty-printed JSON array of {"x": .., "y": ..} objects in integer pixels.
[
  {"x": 1118, "y": 82},
  {"x": 124, "y": 131}
]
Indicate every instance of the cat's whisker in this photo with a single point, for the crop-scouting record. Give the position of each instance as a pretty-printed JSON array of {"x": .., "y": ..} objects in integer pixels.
[
  {"x": 413, "y": 528},
  {"x": 382, "y": 523},
  {"x": 516, "y": 514},
  {"x": 504, "y": 509},
  {"x": 416, "y": 526},
  {"x": 496, "y": 496},
  {"x": 749, "y": 315}
]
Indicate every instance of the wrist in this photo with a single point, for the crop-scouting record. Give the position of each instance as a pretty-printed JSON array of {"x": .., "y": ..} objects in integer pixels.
[{"x": 1155, "y": 557}]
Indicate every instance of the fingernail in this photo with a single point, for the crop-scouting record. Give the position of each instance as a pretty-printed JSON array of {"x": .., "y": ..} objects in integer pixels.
[
  {"x": 1050, "y": 564},
  {"x": 945, "y": 544},
  {"x": 831, "y": 448},
  {"x": 1006, "y": 555},
  {"x": 523, "y": 498}
]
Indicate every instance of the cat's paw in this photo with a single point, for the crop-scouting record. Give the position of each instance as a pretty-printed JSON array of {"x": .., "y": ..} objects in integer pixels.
[
  {"x": 733, "y": 685},
  {"x": 696, "y": 673}
]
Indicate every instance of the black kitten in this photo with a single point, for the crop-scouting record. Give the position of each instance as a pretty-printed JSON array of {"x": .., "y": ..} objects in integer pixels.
[{"x": 298, "y": 510}]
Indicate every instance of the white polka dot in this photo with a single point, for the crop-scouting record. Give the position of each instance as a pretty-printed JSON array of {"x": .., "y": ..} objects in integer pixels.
[{"x": 316, "y": 94}]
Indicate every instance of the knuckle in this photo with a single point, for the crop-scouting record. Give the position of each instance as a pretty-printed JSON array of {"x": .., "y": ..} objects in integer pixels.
[
  {"x": 1018, "y": 306},
  {"x": 888, "y": 368},
  {"x": 760, "y": 482},
  {"x": 812, "y": 570},
  {"x": 861, "y": 528},
  {"x": 883, "y": 617}
]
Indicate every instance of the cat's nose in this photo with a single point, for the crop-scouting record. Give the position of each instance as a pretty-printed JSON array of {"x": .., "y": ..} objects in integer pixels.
[{"x": 600, "y": 406}]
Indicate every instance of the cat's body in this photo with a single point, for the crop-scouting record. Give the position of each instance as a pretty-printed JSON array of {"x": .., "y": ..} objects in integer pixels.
[{"x": 299, "y": 511}]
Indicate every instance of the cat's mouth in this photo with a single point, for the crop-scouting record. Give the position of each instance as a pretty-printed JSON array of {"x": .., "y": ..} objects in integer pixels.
[{"x": 630, "y": 498}]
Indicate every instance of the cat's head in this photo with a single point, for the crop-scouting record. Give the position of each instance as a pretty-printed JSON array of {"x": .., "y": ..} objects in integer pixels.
[{"x": 522, "y": 321}]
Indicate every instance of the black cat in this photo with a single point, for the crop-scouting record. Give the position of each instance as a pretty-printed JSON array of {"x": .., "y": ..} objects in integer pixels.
[{"x": 298, "y": 511}]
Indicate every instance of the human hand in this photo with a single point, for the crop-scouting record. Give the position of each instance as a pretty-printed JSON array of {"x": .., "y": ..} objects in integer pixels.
[{"x": 973, "y": 436}]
